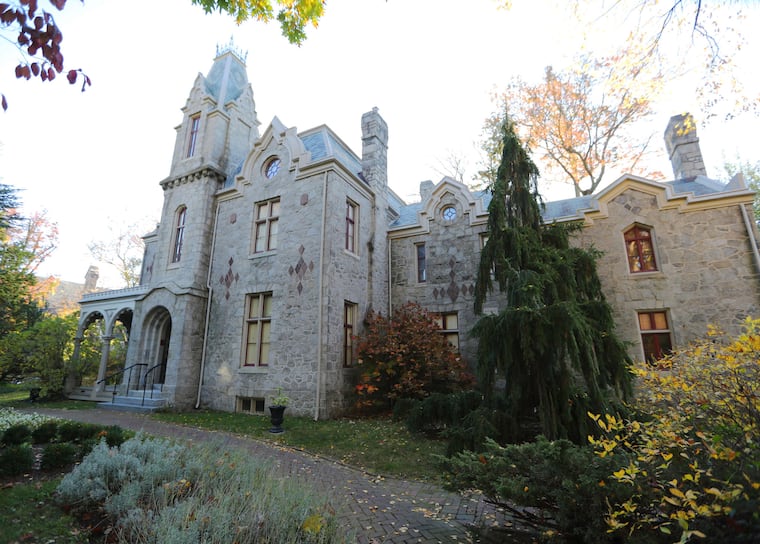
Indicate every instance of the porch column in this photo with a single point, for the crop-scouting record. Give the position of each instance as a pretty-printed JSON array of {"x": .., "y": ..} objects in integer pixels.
[{"x": 105, "y": 350}]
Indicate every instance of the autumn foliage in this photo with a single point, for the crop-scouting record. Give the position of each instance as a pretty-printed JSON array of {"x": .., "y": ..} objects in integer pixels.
[
  {"x": 405, "y": 357},
  {"x": 692, "y": 461},
  {"x": 39, "y": 39}
]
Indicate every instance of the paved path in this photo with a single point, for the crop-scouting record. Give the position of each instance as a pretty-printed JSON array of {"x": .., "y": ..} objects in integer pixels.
[{"x": 375, "y": 508}]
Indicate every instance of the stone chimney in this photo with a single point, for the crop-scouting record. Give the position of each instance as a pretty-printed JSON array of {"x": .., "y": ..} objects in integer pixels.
[
  {"x": 426, "y": 190},
  {"x": 375, "y": 150},
  {"x": 91, "y": 279},
  {"x": 683, "y": 147}
]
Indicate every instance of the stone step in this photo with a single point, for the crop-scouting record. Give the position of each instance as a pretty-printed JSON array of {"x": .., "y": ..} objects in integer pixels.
[{"x": 135, "y": 402}]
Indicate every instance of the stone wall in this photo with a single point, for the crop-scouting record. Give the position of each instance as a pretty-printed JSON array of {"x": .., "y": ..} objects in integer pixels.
[{"x": 706, "y": 274}]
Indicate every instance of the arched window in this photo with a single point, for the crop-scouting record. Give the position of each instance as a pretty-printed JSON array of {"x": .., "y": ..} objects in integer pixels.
[
  {"x": 179, "y": 234},
  {"x": 640, "y": 251}
]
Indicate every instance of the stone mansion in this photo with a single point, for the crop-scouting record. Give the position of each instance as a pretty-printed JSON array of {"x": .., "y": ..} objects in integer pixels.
[{"x": 274, "y": 244}]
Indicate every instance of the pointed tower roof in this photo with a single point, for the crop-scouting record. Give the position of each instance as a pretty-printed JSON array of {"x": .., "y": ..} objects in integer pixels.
[{"x": 228, "y": 77}]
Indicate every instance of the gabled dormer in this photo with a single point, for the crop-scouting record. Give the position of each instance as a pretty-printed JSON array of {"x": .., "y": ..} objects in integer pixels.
[{"x": 219, "y": 123}]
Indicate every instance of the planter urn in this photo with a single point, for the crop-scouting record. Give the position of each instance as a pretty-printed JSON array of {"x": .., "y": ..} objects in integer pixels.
[{"x": 277, "y": 416}]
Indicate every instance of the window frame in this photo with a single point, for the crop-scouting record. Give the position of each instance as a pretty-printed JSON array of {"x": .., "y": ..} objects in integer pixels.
[
  {"x": 192, "y": 139},
  {"x": 654, "y": 335},
  {"x": 350, "y": 313},
  {"x": 266, "y": 228},
  {"x": 420, "y": 251},
  {"x": 180, "y": 222},
  {"x": 352, "y": 227},
  {"x": 272, "y": 167},
  {"x": 447, "y": 331},
  {"x": 255, "y": 308},
  {"x": 639, "y": 249}
]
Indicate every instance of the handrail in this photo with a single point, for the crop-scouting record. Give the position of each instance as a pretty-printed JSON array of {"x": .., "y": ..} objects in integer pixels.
[
  {"x": 117, "y": 373},
  {"x": 152, "y": 383}
]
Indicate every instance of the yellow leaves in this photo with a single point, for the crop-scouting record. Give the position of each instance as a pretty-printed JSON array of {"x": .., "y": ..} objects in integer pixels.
[{"x": 313, "y": 524}]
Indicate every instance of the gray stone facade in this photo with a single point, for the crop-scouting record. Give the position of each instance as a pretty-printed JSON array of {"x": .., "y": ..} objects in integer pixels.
[{"x": 273, "y": 246}]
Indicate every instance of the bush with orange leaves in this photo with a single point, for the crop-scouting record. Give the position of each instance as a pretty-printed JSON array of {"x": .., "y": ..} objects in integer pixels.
[
  {"x": 406, "y": 357},
  {"x": 692, "y": 459}
]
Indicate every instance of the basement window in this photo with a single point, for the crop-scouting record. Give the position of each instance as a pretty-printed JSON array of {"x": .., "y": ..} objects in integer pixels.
[{"x": 250, "y": 405}]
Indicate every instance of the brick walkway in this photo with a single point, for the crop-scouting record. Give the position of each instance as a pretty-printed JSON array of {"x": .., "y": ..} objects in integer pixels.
[{"x": 375, "y": 508}]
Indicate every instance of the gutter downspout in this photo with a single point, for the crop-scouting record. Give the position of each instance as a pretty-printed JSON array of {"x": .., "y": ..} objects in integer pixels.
[
  {"x": 390, "y": 283},
  {"x": 751, "y": 234},
  {"x": 320, "y": 320},
  {"x": 208, "y": 307}
]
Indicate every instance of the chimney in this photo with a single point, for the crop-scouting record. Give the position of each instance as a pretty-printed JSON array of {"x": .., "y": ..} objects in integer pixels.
[
  {"x": 683, "y": 147},
  {"x": 375, "y": 150},
  {"x": 426, "y": 190},
  {"x": 91, "y": 279}
]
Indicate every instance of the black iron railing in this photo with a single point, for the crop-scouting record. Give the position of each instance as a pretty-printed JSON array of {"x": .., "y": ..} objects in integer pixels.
[
  {"x": 150, "y": 379},
  {"x": 128, "y": 371}
]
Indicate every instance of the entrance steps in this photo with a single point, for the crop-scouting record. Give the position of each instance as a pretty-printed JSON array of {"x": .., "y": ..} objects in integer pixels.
[{"x": 136, "y": 400}]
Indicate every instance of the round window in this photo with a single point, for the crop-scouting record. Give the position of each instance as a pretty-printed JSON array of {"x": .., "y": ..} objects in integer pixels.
[
  {"x": 271, "y": 167},
  {"x": 449, "y": 213}
]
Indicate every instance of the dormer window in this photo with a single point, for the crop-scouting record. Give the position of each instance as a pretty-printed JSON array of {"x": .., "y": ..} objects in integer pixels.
[
  {"x": 639, "y": 249},
  {"x": 195, "y": 123},
  {"x": 449, "y": 213}
]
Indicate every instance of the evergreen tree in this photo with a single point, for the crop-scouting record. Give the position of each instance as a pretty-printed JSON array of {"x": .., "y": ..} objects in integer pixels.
[{"x": 553, "y": 342}]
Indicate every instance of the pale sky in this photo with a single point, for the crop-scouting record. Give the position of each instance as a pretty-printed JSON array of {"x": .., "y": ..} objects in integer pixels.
[{"x": 95, "y": 159}]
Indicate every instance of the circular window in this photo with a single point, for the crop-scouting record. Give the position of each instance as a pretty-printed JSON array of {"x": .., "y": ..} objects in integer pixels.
[
  {"x": 449, "y": 213},
  {"x": 271, "y": 167}
]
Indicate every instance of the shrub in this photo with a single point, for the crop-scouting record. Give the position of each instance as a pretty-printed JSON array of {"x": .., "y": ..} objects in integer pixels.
[
  {"x": 59, "y": 455},
  {"x": 160, "y": 492},
  {"x": 694, "y": 464},
  {"x": 10, "y": 417},
  {"x": 555, "y": 483},
  {"x": 406, "y": 357},
  {"x": 47, "y": 432},
  {"x": 15, "y": 460},
  {"x": 17, "y": 434},
  {"x": 76, "y": 431}
]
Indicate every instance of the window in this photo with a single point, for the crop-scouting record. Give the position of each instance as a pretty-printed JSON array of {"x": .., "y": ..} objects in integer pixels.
[
  {"x": 271, "y": 167},
  {"x": 349, "y": 324},
  {"x": 265, "y": 236},
  {"x": 179, "y": 234},
  {"x": 483, "y": 242},
  {"x": 421, "y": 263},
  {"x": 638, "y": 246},
  {"x": 449, "y": 213},
  {"x": 449, "y": 324},
  {"x": 258, "y": 329},
  {"x": 195, "y": 123},
  {"x": 250, "y": 405},
  {"x": 351, "y": 231},
  {"x": 655, "y": 335}
]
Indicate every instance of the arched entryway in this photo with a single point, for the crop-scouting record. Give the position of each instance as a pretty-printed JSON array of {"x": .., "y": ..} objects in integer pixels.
[{"x": 157, "y": 330}]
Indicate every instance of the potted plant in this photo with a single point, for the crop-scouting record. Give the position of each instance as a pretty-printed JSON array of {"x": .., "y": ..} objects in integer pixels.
[{"x": 277, "y": 410}]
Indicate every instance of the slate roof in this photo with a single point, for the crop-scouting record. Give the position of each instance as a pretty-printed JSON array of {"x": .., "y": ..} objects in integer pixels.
[
  {"x": 323, "y": 144},
  {"x": 558, "y": 210}
]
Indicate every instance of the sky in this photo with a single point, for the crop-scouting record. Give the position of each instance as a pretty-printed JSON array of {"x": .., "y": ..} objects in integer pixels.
[{"x": 93, "y": 160}]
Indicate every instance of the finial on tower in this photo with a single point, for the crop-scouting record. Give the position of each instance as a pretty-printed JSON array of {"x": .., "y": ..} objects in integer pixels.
[{"x": 230, "y": 46}]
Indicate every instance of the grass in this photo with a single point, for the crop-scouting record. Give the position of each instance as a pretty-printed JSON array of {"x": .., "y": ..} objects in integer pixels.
[
  {"x": 379, "y": 446},
  {"x": 17, "y": 396},
  {"x": 28, "y": 513}
]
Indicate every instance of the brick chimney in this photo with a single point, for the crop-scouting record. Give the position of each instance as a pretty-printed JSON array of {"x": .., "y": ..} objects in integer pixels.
[
  {"x": 375, "y": 150},
  {"x": 683, "y": 147}
]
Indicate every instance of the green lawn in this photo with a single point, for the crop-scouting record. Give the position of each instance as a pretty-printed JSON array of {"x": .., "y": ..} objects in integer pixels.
[
  {"x": 379, "y": 446},
  {"x": 28, "y": 513},
  {"x": 17, "y": 396}
]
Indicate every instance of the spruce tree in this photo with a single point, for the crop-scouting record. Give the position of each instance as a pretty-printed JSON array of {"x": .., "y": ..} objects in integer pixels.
[{"x": 554, "y": 342}]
